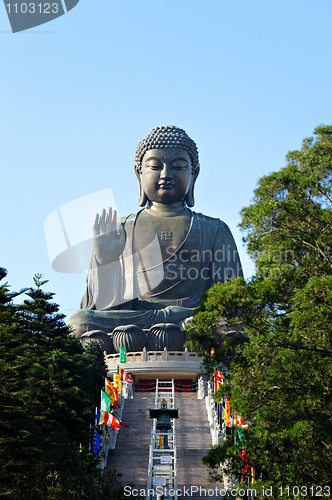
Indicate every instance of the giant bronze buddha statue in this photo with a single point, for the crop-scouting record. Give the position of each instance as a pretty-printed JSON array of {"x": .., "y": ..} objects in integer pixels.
[{"x": 152, "y": 267}]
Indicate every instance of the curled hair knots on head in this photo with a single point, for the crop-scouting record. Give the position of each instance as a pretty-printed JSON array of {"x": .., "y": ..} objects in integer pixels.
[{"x": 164, "y": 137}]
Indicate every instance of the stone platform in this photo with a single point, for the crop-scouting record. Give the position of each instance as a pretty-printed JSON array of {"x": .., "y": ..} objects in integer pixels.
[{"x": 157, "y": 363}]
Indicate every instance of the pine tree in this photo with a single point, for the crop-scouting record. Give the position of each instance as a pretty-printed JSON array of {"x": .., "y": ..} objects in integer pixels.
[
  {"x": 63, "y": 384},
  {"x": 18, "y": 434},
  {"x": 49, "y": 389}
]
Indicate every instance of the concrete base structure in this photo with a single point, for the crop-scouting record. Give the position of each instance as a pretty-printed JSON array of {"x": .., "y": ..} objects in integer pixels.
[{"x": 158, "y": 364}]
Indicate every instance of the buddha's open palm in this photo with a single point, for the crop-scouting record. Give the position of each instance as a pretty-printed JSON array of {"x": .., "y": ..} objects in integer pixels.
[{"x": 108, "y": 236}]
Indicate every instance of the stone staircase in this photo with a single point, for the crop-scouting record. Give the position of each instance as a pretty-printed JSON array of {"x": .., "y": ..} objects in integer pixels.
[
  {"x": 131, "y": 455},
  {"x": 193, "y": 438}
]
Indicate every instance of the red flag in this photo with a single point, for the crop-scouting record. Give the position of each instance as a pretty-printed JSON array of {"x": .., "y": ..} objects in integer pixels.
[
  {"x": 242, "y": 422},
  {"x": 124, "y": 375},
  {"x": 218, "y": 379},
  {"x": 243, "y": 455},
  {"x": 113, "y": 422},
  {"x": 127, "y": 377}
]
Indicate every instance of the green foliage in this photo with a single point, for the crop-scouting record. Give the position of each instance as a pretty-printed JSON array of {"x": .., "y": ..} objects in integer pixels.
[
  {"x": 281, "y": 373},
  {"x": 49, "y": 389},
  {"x": 83, "y": 481},
  {"x": 17, "y": 446}
]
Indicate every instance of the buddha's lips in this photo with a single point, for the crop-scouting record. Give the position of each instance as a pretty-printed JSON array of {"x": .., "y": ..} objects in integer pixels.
[{"x": 166, "y": 186}]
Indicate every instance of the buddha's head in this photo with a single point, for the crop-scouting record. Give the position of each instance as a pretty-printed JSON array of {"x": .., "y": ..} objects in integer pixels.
[{"x": 166, "y": 166}]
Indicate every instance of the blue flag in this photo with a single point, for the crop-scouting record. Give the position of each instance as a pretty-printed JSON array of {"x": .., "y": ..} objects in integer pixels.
[{"x": 95, "y": 441}]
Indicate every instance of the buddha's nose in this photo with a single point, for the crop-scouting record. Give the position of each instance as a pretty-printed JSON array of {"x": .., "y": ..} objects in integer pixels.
[{"x": 166, "y": 172}]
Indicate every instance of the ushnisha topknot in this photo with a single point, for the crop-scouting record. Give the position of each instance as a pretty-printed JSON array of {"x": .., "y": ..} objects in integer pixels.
[{"x": 163, "y": 137}]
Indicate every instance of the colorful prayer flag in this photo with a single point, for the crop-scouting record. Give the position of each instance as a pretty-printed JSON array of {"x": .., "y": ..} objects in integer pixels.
[
  {"x": 117, "y": 382},
  {"x": 228, "y": 411},
  {"x": 242, "y": 422},
  {"x": 123, "y": 357},
  {"x": 219, "y": 379},
  {"x": 116, "y": 398},
  {"x": 252, "y": 475},
  {"x": 103, "y": 417},
  {"x": 110, "y": 390},
  {"x": 124, "y": 375},
  {"x": 94, "y": 441},
  {"x": 239, "y": 436},
  {"x": 247, "y": 422},
  {"x": 243, "y": 455},
  {"x": 108, "y": 386},
  {"x": 127, "y": 377},
  {"x": 105, "y": 401}
]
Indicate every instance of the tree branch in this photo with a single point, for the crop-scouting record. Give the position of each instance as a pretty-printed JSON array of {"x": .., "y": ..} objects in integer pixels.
[{"x": 298, "y": 347}]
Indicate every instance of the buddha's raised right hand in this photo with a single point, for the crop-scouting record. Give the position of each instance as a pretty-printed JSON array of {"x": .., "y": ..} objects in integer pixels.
[{"x": 108, "y": 236}]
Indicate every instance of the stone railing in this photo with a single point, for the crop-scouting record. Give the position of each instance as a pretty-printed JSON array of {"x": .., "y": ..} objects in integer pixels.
[
  {"x": 127, "y": 390},
  {"x": 146, "y": 356},
  {"x": 201, "y": 388},
  {"x": 218, "y": 432}
]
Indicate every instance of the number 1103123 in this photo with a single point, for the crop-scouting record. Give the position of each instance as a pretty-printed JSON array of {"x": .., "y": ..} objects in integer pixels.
[{"x": 32, "y": 8}]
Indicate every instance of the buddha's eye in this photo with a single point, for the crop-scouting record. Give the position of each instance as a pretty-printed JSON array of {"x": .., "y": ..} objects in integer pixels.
[
  {"x": 154, "y": 166},
  {"x": 179, "y": 167}
]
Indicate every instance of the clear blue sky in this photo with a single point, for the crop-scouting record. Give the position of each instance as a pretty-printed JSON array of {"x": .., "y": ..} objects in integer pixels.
[{"x": 247, "y": 81}]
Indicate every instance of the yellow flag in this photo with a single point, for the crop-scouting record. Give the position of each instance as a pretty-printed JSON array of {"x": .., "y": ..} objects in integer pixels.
[
  {"x": 117, "y": 382},
  {"x": 228, "y": 411},
  {"x": 109, "y": 389}
]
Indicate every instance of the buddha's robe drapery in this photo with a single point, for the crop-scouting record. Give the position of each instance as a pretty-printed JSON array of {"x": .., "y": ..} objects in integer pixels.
[{"x": 128, "y": 291}]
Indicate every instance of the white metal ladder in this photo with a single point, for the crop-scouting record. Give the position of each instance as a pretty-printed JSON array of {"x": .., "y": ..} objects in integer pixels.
[{"x": 162, "y": 472}]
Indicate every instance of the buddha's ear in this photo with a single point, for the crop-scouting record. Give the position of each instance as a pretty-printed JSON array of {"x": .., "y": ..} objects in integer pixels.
[
  {"x": 190, "y": 200},
  {"x": 142, "y": 198}
]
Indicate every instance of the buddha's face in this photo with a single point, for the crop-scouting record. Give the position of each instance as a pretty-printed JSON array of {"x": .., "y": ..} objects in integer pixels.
[{"x": 166, "y": 175}]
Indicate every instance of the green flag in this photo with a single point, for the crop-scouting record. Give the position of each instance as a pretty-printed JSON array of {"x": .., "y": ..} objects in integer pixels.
[
  {"x": 123, "y": 357},
  {"x": 105, "y": 403}
]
